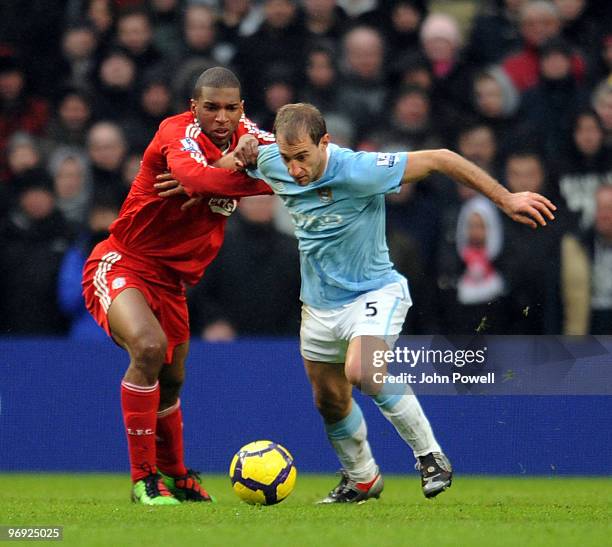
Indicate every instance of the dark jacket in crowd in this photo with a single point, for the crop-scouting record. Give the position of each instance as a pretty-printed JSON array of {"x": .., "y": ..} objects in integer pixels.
[
  {"x": 253, "y": 284},
  {"x": 31, "y": 255}
]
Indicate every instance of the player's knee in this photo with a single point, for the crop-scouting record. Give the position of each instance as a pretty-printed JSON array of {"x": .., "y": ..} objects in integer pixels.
[
  {"x": 353, "y": 373},
  {"x": 149, "y": 352}
]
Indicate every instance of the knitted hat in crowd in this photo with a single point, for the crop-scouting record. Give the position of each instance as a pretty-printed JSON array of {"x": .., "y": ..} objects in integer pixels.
[{"x": 441, "y": 25}]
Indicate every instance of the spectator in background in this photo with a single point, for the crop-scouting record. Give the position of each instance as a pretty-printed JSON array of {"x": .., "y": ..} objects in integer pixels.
[
  {"x": 69, "y": 295},
  {"x": 410, "y": 126},
  {"x": 413, "y": 227},
  {"x": 115, "y": 95},
  {"x": 495, "y": 32},
  {"x": 601, "y": 62},
  {"x": 131, "y": 166},
  {"x": 23, "y": 154},
  {"x": 102, "y": 15},
  {"x": 19, "y": 110},
  {"x": 71, "y": 185},
  {"x": 587, "y": 166},
  {"x": 155, "y": 104},
  {"x": 551, "y": 106},
  {"x": 578, "y": 27},
  {"x": 412, "y": 70},
  {"x": 415, "y": 212},
  {"x": 199, "y": 34},
  {"x": 441, "y": 42},
  {"x": 237, "y": 19},
  {"x": 222, "y": 306},
  {"x": 479, "y": 303},
  {"x": 602, "y": 103},
  {"x": 320, "y": 87},
  {"x": 107, "y": 149},
  {"x": 79, "y": 56},
  {"x": 324, "y": 20},
  {"x": 360, "y": 10},
  {"x": 401, "y": 26},
  {"x": 33, "y": 237},
  {"x": 532, "y": 271},
  {"x": 342, "y": 131},
  {"x": 477, "y": 143},
  {"x": 539, "y": 22},
  {"x": 362, "y": 92},
  {"x": 280, "y": 40},
  {"x": 71, "y": 120},
  {"x": 33, "y": 31},
  {"x": 585, "y": 273},
  {"x": 496, "y": 102},
  {"x": 279, "y": 89},
  {"x": 135, "y": 37},
  {"x": 166, "y": 18}
]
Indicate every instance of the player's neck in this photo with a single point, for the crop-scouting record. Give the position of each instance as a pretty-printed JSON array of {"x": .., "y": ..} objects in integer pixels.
[{"x": 325, "y": 163}]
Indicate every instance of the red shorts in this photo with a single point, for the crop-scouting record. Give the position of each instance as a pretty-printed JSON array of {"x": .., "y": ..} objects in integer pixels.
[{"x": 108, "y": 272}]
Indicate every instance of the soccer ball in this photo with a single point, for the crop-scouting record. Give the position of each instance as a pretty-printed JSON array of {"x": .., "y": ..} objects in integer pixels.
[{"x": 262, "y": 472}]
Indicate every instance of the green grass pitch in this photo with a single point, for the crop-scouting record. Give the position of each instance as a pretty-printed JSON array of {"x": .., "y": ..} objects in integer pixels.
[{"x": 491, "y": 511}]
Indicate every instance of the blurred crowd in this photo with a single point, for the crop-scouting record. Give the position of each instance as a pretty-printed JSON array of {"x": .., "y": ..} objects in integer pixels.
[{"x": 522, "y": 88}]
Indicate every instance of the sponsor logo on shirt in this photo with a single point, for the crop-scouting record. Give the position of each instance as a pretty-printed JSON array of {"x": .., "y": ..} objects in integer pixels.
[
  {"x": 222, "y": 206},
  {"x": 325, "y": 194},
  {"x": 386, "y": 160},
  {"x": 316, "y": 223}
]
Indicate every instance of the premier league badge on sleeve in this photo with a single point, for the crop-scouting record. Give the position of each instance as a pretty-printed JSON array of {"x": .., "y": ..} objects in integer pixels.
[
  {"x": 189, "y": 145},
  {"x": 385, "y": 160}
]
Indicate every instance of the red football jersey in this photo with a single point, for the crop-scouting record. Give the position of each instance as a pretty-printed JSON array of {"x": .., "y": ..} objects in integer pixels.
[{"x": 181, "y": 244}]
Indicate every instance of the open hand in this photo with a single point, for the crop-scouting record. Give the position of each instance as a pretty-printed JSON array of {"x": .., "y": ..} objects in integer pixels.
[
  {"x": 167, "y": 186},
  {"x": 529, "y": 208}
]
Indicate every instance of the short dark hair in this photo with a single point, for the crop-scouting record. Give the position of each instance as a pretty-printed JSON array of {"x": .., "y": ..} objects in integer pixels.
[
  {"x": 295, "y": 120},
  {"x": 216, "y": 77},
  {"x": 525, "y": 153}
]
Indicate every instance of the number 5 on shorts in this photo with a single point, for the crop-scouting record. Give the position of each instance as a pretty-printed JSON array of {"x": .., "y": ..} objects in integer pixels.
[{"x": 371, "y": 310}]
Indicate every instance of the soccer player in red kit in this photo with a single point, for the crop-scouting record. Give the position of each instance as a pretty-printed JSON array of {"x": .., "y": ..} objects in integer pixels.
[{"x": 134, "y": 281}]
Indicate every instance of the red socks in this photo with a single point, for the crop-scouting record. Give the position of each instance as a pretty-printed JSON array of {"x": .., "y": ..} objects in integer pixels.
[
  {"x": 170, "y": 441},
  {"x": 139, "y": 405}
]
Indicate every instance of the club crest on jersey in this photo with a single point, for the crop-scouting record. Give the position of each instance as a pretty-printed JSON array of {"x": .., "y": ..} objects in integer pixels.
[
  {"x": 118, "y": 283},
  {"x": 189, "y": 145},
  {"x": 325, "y": 195},
  {"x": 222, "y": 206},
  {"x": 386, "y": 160}
]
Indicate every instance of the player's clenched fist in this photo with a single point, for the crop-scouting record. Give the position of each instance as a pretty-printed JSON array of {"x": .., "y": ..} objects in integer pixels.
[{"x": 245, "y": 153}]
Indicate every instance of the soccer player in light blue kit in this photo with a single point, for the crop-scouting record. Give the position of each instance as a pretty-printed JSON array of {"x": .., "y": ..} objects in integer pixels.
[{"x": 354, "y": 302}]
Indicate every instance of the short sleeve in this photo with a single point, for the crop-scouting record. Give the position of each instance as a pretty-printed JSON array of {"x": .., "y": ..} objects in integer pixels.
[
  {"x": 267, "y": 163},
  {"x": 372, "y": 173}
]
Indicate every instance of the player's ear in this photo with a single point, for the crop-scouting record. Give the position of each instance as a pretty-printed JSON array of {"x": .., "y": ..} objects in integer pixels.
[
  {"x": 325, "y": 140},
  {"x": 242, "y": 106},
  {"x": 192, "y": 106}
]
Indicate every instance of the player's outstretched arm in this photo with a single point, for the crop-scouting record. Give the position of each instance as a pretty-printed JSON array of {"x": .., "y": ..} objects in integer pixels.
[{"x": 527, "y": 208}]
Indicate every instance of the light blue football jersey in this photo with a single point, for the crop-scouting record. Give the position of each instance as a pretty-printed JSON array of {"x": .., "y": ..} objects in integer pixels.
[{"x": 339, "y": 221}]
